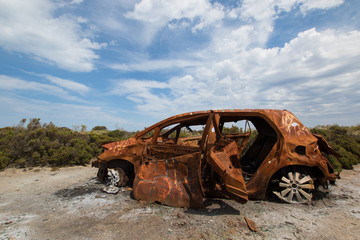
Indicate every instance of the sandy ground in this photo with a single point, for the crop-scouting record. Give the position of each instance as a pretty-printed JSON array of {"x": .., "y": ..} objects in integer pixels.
[{"x": 69, "y": 204}]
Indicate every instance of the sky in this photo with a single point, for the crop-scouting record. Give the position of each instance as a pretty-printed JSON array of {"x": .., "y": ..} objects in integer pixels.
[{"x": 129, "y": 64}]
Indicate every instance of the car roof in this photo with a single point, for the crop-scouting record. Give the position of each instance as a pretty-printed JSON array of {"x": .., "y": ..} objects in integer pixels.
[{"x": 283, "y": 120}]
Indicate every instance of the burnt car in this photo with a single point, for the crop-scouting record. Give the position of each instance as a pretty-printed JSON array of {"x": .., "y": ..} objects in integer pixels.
[{"x": 240, "y": 154}]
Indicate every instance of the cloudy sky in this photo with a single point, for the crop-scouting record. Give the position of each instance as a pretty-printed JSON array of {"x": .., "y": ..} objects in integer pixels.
[{"x": 128, "y": 64}]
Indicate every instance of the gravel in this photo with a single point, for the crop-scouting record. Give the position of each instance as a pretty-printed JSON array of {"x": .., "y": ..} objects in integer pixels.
[{"x": 69, "y": 203}]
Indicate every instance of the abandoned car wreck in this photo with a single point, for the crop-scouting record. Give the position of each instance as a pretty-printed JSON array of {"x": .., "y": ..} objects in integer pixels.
[{"x": 238, "y": 154}]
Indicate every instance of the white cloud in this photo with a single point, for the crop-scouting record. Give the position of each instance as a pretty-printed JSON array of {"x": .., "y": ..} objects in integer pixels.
[
  {"x": 10, "y": 83},
  {"x": 76, "y": 1},
  {"x": 137, "y": 90},
  {"x": 257, "y": 19},
  {"x": 15, "y": 84},
  {"x": 153, "y": 65},
  {"x": 160, "y": 12},
  {"x": 308, "y": 5},
  {"x": 316, "y": 72},
  {"x": 150, "y": 17},
  {"x": 236, "y": 70},
  {"x": 68, "y": 84},
  {"x": 263, "y": 10},
  {"x": 64, "y": 3},
  {"x": 142, "y": 93},
  {"x": 30, "y": 27},
  {"x": 316, "y": 67}
]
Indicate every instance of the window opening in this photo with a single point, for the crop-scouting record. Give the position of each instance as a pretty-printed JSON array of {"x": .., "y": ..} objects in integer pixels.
[{"x": 255, "y": 139}]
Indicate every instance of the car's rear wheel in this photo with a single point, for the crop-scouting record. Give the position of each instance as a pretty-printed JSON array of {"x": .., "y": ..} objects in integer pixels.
[{"x": 296, "y": 187}]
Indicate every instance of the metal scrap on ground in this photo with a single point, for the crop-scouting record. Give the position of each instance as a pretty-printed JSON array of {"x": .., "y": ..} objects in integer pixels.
[{"x": 251, "y": 224}]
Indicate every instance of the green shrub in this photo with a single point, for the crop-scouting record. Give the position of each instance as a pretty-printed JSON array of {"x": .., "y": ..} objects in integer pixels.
[
  {"x": 4, "y": 159},
  {"x": 335, "y": 163},
  {"x": 345, "y": 140},
  {"x": 117, "y": 134},
  {"x": 99, "y": 128},
  {"x": 45, "y": 145}
]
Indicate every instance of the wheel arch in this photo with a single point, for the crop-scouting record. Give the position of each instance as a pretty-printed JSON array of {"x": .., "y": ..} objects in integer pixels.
[
  {"x": 314, "y": 172},
  {"x": 127, "y": 166}
]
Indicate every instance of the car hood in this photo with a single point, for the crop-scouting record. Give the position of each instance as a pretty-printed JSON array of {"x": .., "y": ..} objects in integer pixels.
[{"x": 115, "y": 149}]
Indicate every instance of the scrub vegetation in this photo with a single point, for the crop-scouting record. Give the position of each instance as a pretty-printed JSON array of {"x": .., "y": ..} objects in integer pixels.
[
  {"x": 345, "y": 140},
  {"x": 39, "y": 144},
  {"x": 36, "y": 144}
]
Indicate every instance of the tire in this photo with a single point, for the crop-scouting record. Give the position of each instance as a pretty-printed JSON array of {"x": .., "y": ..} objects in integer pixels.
[
  {"x": 296, "y": 187},
  {"x": 102, "y": 174}
]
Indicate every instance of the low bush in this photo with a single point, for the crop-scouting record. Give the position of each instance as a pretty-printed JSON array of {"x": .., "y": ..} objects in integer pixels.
[
  {"x": 47, "y": 145},
  {"x": 345, "y": 140}
]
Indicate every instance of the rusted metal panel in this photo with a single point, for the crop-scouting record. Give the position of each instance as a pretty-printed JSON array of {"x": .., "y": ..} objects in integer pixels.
[
  {"x": 173, "y": 181},
  {"x": 325, "y": 147},
  {"x": 220, "y": 161},
  {"x": 126, "y": 149},
  {"x": 181, "y": 171}
]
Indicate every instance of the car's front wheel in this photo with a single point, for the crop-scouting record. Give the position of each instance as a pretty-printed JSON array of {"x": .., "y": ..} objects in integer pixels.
[{"x": 102, "y": 174}]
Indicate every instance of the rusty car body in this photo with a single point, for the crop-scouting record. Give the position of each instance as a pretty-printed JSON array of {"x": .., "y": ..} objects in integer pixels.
[{"x": 185, "y": 158}]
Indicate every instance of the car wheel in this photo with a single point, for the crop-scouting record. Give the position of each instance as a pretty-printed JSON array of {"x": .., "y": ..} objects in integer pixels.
[
  {"x": 102, "y": 174},
  {"x": 296, "y": 188},
  {"x": 123, "y": 177}
]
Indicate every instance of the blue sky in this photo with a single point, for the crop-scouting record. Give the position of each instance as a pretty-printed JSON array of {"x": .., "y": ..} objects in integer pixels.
[{"x": 128, "y": 64}]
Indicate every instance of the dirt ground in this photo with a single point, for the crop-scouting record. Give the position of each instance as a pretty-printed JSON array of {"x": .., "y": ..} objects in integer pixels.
[{"x": 69, "y": 204}]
